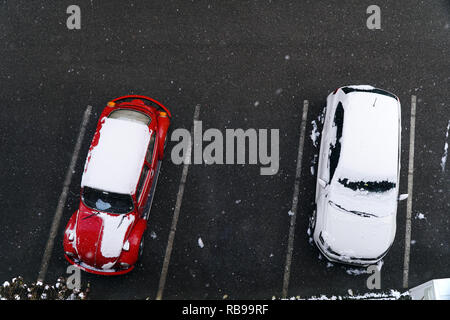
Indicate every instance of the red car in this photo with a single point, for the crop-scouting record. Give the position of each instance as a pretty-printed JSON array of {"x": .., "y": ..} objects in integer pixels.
[{"x": 105, "y": 235}]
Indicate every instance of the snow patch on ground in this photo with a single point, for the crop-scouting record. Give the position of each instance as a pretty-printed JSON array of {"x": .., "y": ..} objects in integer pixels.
[
  {"x": 390, "y": 295},
  {"x": 200, "y": 243},
  {"x": 444, "y": 156},
  {"x": 356, "y": 271},
  {"x": 315, "y": 138},
  {"x": 420, "y": 216},
  {"x": 315, "y": 134},
  {"x": 360, "y": 271}
]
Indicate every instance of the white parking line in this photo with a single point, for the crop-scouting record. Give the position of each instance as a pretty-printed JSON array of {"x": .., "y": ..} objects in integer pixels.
[
  {"x": 63, "y": 197},
  {"x": 410, "y": 193},
  {"x": 176, "y": 212},
  {"x": 293, "y": 213}
]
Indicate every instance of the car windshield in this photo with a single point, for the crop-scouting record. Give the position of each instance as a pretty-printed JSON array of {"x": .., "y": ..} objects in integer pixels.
[
  {"x": 107, "y": 201},
  {"x": 370, "y": 186}
]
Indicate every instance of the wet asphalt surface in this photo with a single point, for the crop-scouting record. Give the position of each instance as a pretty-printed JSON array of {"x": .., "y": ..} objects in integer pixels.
[{"x": 248, "y": 64}]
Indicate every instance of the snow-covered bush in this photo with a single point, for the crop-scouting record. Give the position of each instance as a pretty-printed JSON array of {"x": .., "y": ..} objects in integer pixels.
[
  {"x": 17, "y": 289},
  {"x": 389, "y": 295}
]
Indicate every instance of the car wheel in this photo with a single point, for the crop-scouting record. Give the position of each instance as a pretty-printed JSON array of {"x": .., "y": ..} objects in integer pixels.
[
  {"x": 141, "y": 247},
  {"x": 312, "y": 221}
]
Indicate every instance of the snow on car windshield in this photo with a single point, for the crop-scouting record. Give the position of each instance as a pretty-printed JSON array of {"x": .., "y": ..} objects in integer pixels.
[
  {"x": 107, "y": 201},
  {"x": 370, "y": 186}
]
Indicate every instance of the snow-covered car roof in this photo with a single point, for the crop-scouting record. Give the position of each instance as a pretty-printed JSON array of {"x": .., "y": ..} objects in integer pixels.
[
  {"x": 370, "y": 137},
  {"x": 115, "y": 163}
]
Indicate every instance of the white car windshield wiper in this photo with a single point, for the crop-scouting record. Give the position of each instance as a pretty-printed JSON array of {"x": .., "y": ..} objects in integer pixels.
[{"x": 359, "y": 213}]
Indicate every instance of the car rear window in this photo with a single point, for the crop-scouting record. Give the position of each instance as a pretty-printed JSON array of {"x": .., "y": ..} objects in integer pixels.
[{"x": 374, "y": 90}]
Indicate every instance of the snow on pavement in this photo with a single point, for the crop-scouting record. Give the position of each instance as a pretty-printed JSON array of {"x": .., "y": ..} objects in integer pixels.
[
  {"x": 420, "y": 216},
  {"x": 444, "y": 156},
  {"x": 390, "y": 295},
  {"x": 200, "y": 243},
  {"x": 315, "y": 138}
]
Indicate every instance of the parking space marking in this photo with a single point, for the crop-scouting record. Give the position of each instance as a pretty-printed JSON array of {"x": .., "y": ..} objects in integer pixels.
[
  {"x": 290, "y": 249},
  {"x": 176, "y": 212},
  {"x": 410, "y": 193},
  {"x": 63, "y": 197}
]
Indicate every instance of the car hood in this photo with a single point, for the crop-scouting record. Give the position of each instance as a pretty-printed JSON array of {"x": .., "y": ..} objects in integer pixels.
[
  {"x": 357, "y": 236},
  {"x": 380, "y": 204},
  {"x": 100, "y": 237}
]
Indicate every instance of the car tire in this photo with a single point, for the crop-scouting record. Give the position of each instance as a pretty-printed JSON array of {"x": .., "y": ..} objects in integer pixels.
[
  {"x": 312, "y": 221},
  {"x": 141, "y": 247}
]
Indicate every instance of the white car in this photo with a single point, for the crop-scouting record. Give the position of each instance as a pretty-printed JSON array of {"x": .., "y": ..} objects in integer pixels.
[{"x": 358, "y": 176}]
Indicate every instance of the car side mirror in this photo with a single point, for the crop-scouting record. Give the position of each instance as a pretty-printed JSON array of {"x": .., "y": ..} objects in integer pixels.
[
  {"x": 322, "y": 182},
  {"x": 403, "y": 197}
]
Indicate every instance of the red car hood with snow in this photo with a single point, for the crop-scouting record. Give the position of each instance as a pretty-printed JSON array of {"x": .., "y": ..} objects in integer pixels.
[{"x": 100, "y": 236}]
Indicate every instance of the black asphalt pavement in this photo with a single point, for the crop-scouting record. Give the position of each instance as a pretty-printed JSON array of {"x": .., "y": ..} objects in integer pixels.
[{"x": 249, "y": 65}]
